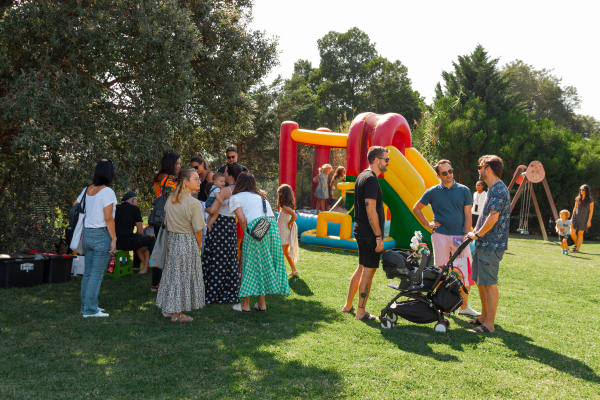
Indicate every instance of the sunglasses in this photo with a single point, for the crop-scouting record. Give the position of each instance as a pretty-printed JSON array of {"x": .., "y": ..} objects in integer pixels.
[
  {"x": 386, "y": 159},
  {"x": 231, "y": 158},
  {"x": 449, "y": 172},
  {"x": 195, "y": 167},
  {"x": 480, "y": 167}
]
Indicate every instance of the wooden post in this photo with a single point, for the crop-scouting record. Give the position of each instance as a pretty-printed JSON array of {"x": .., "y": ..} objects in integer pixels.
[
  {"x": 550, "y": 200},
  {"x": 519, "y": 190},
  {"x": 537, "y": 210},
  {"x": 518, "y": 173}
]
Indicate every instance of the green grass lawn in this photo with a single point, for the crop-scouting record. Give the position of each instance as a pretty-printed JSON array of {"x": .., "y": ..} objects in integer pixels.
[{"x": 546, "y": 343}]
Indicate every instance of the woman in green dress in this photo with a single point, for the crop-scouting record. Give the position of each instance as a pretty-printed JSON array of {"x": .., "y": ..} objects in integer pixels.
[{"x": 263, "y": 266}]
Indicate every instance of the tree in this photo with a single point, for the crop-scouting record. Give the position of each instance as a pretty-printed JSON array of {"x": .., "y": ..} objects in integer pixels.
[
  {"x": 542, "y": 93},
  {"x": 353, "y": 78},
  {"x": 124, "y": 80}
]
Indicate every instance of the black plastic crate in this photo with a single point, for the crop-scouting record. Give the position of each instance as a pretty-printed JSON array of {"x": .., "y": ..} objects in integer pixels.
[
  {"x": 20, "y": 270},
  {"x": 58, "y": 268}
]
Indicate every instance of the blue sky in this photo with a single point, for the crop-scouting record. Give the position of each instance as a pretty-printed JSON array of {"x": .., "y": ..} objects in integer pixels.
[{"x": 427, "y": 36}]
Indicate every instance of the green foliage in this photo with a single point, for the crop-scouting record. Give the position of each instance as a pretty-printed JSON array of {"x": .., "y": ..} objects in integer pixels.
[
  {"x": 123, "y": 80},
  {"x": 476, "y": 113}
]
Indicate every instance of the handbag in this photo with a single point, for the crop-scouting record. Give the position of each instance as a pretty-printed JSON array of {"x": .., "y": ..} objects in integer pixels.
[
  {"x": 157, "y": 214},
  {"x": 159, "y": 253},
  {"x": 76, "y": 224},
  {"x": 261, "y": 228}
]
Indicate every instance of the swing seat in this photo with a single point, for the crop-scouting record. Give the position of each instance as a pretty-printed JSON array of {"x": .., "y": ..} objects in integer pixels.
[{"x": 524, "y": 232}]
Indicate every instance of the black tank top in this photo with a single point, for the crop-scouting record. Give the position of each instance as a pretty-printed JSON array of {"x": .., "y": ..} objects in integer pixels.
[{"x": 202, "y": 192}]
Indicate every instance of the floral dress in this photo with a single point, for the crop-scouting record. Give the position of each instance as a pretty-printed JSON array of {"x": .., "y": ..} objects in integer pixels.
[{"x": 288, "y": 236}]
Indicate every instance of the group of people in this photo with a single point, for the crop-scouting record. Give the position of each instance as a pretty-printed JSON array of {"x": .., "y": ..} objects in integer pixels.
[
  {"x": 239, "y": 255},
  {"x": 579, "y": 224},
  {"x": 327, "y": 188},
  {"x": 452, "y": 205}
]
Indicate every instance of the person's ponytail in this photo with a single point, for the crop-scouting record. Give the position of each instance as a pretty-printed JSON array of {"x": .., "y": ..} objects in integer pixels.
[{"x": 184, "y": 175}]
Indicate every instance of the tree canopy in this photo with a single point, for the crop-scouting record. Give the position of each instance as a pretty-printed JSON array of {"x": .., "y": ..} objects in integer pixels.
[{"x": 123, "y": 80}]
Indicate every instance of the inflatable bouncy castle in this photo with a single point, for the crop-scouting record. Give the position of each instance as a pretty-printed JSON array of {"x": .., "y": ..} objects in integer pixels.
[{"x": 407, "y": 177}]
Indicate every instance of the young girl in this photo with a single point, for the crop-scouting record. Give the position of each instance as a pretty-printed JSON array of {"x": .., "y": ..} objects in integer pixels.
[
  {"x": 286, "y": 204},
  {"x": 322, "y": 190},
  {"x": 339, "y": 176}
]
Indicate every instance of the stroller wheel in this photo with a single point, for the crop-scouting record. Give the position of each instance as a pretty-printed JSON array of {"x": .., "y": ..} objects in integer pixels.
[
  {"x": 392, "y": 317},
  {"x": 440, "y": 327},
  {"x": 385, "y": 323}
]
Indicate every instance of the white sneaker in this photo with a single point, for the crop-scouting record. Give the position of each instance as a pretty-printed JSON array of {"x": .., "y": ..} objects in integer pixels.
[
  {"x": 98, "y": 314},
  {"x": 99, "y": 309},
  {"x": 468, "y": 311}
]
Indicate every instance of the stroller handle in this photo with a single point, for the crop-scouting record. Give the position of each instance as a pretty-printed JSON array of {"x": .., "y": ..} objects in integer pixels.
[{"x": 460, "y": 249}]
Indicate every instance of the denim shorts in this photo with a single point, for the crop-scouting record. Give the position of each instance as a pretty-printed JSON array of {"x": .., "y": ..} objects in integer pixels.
[
  {"x": 486, "y": 264},
  {"x": 367, "y": 256}
]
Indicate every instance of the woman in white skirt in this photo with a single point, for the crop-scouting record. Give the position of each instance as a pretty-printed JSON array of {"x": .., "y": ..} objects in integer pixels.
[{"x": 181, "y": 286}]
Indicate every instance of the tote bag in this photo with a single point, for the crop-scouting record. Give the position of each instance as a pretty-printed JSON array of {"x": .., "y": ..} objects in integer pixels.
[
  {"x": 79, "y": 215},
  {"x": 159, "y": 253}
]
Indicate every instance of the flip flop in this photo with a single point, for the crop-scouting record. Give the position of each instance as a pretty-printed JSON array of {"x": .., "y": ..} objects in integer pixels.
[
  {"x": 349, "y": 311},
  {"x": 257, "y": 308},
  {"x": 238, "y": 308},
  {"x": 474, "y": 322},
  {"x": 369, "y": 317},
  {"x": 480, "y": 329}
]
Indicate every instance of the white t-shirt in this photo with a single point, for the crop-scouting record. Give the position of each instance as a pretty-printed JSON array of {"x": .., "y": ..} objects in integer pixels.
[
  {"x": 251, "y": 205},
  {"x": 94, "y": 207},
  {"x": 478, "y": 202}
]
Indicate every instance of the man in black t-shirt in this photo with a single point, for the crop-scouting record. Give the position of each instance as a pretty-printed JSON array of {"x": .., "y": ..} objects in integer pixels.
[
  {"x": 127, "y": 217},
  {"x": 369, "y": 219}
]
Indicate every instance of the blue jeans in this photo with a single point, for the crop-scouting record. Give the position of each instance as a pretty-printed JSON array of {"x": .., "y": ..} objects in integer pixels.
[{"x": 96, "y": 243}]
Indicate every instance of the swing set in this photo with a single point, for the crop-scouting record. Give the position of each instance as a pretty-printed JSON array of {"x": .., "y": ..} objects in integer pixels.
[{"x": 525, "y": 177}]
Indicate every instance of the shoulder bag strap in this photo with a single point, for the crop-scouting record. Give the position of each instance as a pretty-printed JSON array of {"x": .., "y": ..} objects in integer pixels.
[
  {"x": 264, "y": 205},
  {"x": 83, "y": 199}
]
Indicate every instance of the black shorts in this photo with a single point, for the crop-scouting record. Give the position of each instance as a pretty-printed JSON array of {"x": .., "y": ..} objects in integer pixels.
[
  {"x": 134, "y": 242},
  {"x": 367, "y": 256}
]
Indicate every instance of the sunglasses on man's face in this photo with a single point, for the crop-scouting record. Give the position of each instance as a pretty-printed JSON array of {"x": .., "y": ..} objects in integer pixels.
[
  {"x": 449, "y": 172},
  {"x": 387, "y": 160},
  {"x": 480, "y": 167},
  {"x": 230, "y": 157}
]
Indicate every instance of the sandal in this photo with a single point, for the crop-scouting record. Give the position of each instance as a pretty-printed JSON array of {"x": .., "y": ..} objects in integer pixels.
[
  {"x": 574, "y": 251},
  {"x": 480, "y": 329},
  {"x": 349, "y": 311},
  {"x": 166, "y": 314},
  {"x": 178, "y": 319},
  {"x": 154, "y": 289},
  {"x": 238, "y": 308},
  {"x": 368, "y": 317},
  {"x": 257, "y": 308},
  {"x": 474, "y": 322}
]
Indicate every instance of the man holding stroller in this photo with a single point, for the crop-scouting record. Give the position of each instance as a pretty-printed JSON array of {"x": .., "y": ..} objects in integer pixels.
[
  {"x": 369, "y": 218},
  {"x": 491, "y": 235},
  {"x": 451, "y": 203}
]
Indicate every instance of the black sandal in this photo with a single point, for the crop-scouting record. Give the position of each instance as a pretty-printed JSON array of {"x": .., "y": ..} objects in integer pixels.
[
  {"x": 368, "y": 317},
  {"x": 480, "y": 329},
  {"x": 474, "y": 322}
]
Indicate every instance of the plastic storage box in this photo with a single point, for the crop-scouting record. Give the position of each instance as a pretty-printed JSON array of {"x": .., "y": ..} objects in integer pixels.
[
  {"x": 78, "y": 265},
  {"x": 57, "y": 268},
  {"x": 20, "y": 270}
]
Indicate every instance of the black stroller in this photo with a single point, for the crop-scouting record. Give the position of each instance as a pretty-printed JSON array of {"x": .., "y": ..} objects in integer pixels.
[{"x": 431, "y": 291}]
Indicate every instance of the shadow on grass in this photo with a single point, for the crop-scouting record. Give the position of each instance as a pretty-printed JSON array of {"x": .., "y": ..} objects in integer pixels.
[
  {"x": 298, "y": 286},
  {"x": 526, "y": 349},
  {"x": 137, "y": 353},
  {"x": 417, "y": 339}
]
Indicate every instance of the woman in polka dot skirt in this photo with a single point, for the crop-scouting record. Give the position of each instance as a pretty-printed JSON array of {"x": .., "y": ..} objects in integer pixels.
[
  {"x": 220, "y": 258},
  {"x": 263, "y": 270}
]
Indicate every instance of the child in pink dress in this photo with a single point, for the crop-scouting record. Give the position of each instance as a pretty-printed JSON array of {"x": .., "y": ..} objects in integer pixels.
[{"x": 288, "y": 230}]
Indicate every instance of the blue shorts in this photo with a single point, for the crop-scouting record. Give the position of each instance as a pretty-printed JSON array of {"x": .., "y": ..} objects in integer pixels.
[{"x": 210, "y": 201}]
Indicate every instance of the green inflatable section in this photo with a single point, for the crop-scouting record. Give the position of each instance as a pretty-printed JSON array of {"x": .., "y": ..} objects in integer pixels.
[{"x": 403, "y": 224}]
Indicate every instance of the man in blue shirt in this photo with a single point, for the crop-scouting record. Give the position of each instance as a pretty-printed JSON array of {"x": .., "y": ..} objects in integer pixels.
[
  {"x": 491, "y": 235},
  {"x": 451, "y": 203}
]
